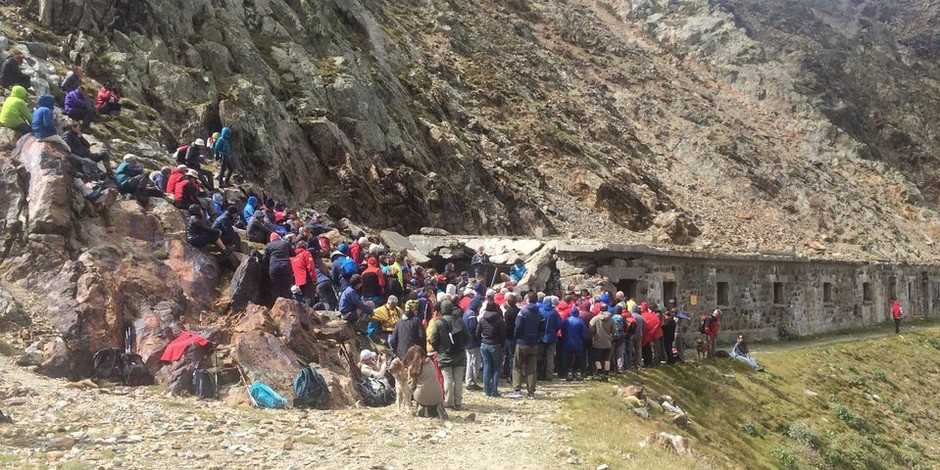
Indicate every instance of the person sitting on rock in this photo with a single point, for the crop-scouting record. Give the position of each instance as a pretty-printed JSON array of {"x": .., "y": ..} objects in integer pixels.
[
  {"x": 43, "y": 122},
  {"x": 384, "y": 320},
  {"x": 741, "y": 352},
  {"x": 223, "y": 152},
  {"x": 250, "y": 207},
  {"x": 341, "y": 269},
  {"x": 217, "y": 204},
  {"x": 305, "y": 273},
  {"x": 199, "y": 234},
  {"x": 374, "y": 366},
  {"x": 373, "y": 281},
  {"x": 10, "y": 73},
  {"x": 82, "y": 155},
  {"x": 72, "y": 80},
  {"x": 131, "y": 179},
  {"x": 515, "y": 272},
  {"x": 77, "y": 107},
  {"x": 258, "y": 229},
  {"x": 277, "y": 255},
  {"x": 187, "y": 190},
  {"x": 108, "y": 101},
  {"x": 176, "y": 175},
  {"x": 225, "y": 224},
  {"x": 423, "y": 380},
  {"x": 193, "y": 159},
  {"x": 351, "y": 306},
  {"x": 15, "y": 114}
]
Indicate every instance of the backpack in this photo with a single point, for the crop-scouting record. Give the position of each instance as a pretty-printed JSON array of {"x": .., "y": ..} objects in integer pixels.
[
  {"x": 180, "y": 155},
  {"x": 374, "y": 393},
  {"x": 107, "y": 364},
  {"x": 618, "y": 327},
  {"x": 310, "y": 389},
  {"x": 324, "y": 244},
  {"x": 203, "y": 384},
  {"x": 349, "y": 266},
  {"x": 135, "y": 371},
  {"x": 453, "y": 336},
  {"x": 265, "y": 397}
]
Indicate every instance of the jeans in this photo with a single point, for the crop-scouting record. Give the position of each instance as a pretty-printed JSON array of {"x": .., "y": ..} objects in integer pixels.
[
  {"x": 628, "y": 353},
  {"x": 616, "y": 362},
  {"x": 453, "y": 392},
  {"x": 473, "y": 366},
  {"x": 747, "y": 360},
  {"x": 524, "y": 366},
  {"x": 508, "y": 358},
  {"x": 492, "y": 363}
]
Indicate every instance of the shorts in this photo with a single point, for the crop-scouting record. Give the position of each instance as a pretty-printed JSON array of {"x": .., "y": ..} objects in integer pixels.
[{"x": 600, "y": 355}]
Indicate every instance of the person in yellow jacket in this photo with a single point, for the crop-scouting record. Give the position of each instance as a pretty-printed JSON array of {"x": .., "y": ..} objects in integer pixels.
[
  {"x": 385, "y": 318},
  {"x": 15, "y": 114}
]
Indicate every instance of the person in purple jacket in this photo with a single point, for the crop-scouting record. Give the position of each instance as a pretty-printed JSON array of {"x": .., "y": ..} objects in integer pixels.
[{"x": 78, "y": 108}]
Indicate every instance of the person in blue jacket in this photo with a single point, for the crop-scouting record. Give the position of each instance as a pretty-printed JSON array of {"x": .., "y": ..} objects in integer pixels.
[
  {"x": 472, "y": 373},
  {"x": 516, "y": 272},
  {"x": 528, "y": 330},
  {"x": 223, "y": 151},
  {"x": 547, "y": 343},
  {"x": 351, "y": 307},
  {"x": 250, "y": 207},
  {"x": 574, "y": 334},
  {"x": 44, "y": 122}
]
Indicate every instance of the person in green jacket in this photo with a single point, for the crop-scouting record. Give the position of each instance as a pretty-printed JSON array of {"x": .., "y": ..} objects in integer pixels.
[
  {"x": 448, "y": 340},
  {"x": 15, "y": 114}
]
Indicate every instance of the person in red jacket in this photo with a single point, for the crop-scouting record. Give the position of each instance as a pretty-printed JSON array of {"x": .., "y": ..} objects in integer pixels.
[
  {"x": 108, "y": 100},
  {"x": 652, "y": 331},
  {"x": 305, "y": 273},
  {"x": 711, "y": 332},
  {"x": 176, "y": 175},
  {"x": 896, "y": 312},
  {"x": 187, "y": 191}
]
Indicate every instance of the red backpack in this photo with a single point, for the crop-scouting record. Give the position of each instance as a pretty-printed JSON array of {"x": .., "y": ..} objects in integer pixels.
[{"x": 180, "y": 155}]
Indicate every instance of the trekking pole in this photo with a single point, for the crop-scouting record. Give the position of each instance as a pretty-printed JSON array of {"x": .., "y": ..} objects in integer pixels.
[
  {"x": 247, "y": 386},
  {"x": 495, "y": 271}
]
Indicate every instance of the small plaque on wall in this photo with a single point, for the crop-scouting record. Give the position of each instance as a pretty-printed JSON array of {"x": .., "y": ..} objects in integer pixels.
[{"x": 693, "y": 299}]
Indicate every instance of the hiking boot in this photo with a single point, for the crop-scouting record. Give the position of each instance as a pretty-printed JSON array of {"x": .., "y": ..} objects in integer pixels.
[
  {"x": 578, "y": 377},
  {"x": 514, "y": 394},
  {"x": 474, "y": 387},
  {"x": 530, "y": 396},
  {"x": 570, "y": 377}
]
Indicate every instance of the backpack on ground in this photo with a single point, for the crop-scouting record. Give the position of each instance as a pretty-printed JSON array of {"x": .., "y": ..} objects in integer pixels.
[
  {"x": 180, "y": 155},
  {"x": 374, "y": 393},
  {"x": 204, "y": 385},
  {"x": 5, "y": 419},
  {"x": 701, "y": 325},
  {"x": 135, "y": 371},
  {"x": 310, "y": 389},
  {"x": 266, "y": 397},
  {"x": 107, "y": 364},
  {"x": 618, "y": 327},
  {"x": 349, "y": 266}
]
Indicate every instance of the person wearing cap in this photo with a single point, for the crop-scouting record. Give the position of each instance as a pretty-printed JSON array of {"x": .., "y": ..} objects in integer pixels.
[
  {"x": 187, "y": 190},
  {"x": 10, "y": 73},
  {"x": 81, "y": 153},
  {"x": 374, "y": 366},
  {"x": 549, "y": 339},
  {"x": 195, "y": 155},
  {"x": 277, "y": 255},
  {"x": 199, "y": 234},
  {"x": 711, "y": 332},
  {"x": 384, "y": 319},
  {"x": 15, "y": 113},
  {"x": 77, "y": 107},
  {"x": 408, "y": 331},
  {"x": 448, "y": 339},
  {"x": 351, "y": 306}
]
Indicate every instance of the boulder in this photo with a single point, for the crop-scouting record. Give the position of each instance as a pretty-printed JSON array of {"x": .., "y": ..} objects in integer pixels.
[
  {"x": 439, "y": 247},
  {"x": 670, "y": 442},
  {"x": 676, "y": 227},
  {"x": 539, "y": 269},
  {"x": 50, "y": 191},
  {"x": 155, "y": 330},
  {"x": 196, "y": 272},
  {"x": 293, "y": 320},
  {"x": 395, "y": 241},
  {"x": 178, "y": 375},
  {"x": 11, "y": 312},
  {"x": 246, "y": 283},
  {"x": 126, "y": 218}
]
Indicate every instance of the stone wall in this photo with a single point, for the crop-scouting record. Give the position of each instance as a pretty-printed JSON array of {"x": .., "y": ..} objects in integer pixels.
[{"x": 764, "y": 296}]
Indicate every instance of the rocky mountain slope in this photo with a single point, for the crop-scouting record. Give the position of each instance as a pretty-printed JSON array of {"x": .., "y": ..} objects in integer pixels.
[{"x": 725, "y": 124}]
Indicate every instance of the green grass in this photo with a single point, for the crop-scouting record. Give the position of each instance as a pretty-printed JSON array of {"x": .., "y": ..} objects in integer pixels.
[
  {"x": 871, "y": 410},
  {"x": 310, "y": 440},
  {"x": 7, "y": 349}
]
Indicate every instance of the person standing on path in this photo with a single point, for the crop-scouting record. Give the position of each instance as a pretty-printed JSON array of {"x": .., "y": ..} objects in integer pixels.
[
  {"x": 491, "y": 333},
  {"x": 510, "y": 313},
  {"x": 549, "y": 336},
  {"x": 474, "y": 358},
  {"x": 529, "y": 328},
  {"x": 711, "y": 331},
  {"x": 896, "y": 312},
  {"x": 448, "y": 340}
]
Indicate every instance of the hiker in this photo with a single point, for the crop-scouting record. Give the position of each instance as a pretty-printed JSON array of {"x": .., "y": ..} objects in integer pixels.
[
  {"x": 81, "y": 152},
  {"x": 710, "y": 330},
  {"x": 448, "y": 340},
  {"x": 652, "y": 331},
  {"x": 639, "y": 325},
  {"x": 277, "y": 257},
  {"x": 373, "y": 281},
  {"x": 384, "y": 320},
  {"x": 72, "y": 80},
  {"x": 223, "y": 152},
  {"x": 529, "y": 328},
  {"x": 326, "y": 296},
  {"x": 351, "y": 306},
  {"x": 427, "y": 390},
  {"x": 472, "y": 348},
  {"x": 225, "y": 223},
  {"x": 15, "y": 114},
  {"x": 629, "y": 332},
  {"x": 374, "y": 366},
  {"x": 491, "y": 334},
  {"x": 130, "y": 179},
  {"x": 195, "y": 154},
  {"x": 602, "y": 332},
  {"x": 515, "y": 272},
  {"x": 78, "y": 108},
  {"x": 549, "y": 337},
  {"x": 342, "y": 267},
  {"x": 574, "y": 334},
  {"x": 669, "y": 327},
  {"x": 43, "y": 122},
  {"x": 108, "y": 100},
  {"x": 199, "y": 234},
  {"x": 896, "y": 313},
  {"x": 187, "y": 190},
  {"x": 258, "y": 230},
  {"x": 358, "y": 248},
  {"x": 479, "y": 261},
  {"x": 250, "y": 207},
  {"x": 10, "y": 73},
  {"x": 510, "y": 312},
  {"x": 176, "y": 175},
  {"x": 408, "y": 332},
  {"x": 618, "y": 339},
  {"x": 741, "y": 352},
  {"x": 302, "y": 266}
]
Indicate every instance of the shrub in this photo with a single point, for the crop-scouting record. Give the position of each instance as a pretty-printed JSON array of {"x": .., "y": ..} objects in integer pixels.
[
  {"x": 851, "y": 418},
  {"x": 749, "y": 428},
  {"x": 785, "y": 457},
  {"x": 802, "y": 432}
]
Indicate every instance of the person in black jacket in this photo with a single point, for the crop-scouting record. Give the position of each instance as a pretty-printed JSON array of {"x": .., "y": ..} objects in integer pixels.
[
  {"x": 10, "y": 73},
  {"x": 225, "y": 224},
  {"x": 193, "y": 160},
  {"x": 198, "y": 232},
  {"x": 408, "y": 331},
  {"x": 258, "y": 230},
  {"x": 277, "y": 255},
  {"x": 491, "y": 333},
  {"x": 509, "y": 315},
  {"x": 81, "y": 152},
  {"x": 669, "y": 336}
]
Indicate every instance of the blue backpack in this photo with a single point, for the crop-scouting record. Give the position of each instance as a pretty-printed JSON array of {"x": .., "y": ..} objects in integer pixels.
[
  {"x": 619, "y": 324},
  {"x": 266, "y": 397},
  {"x": 349, "y": 266},
  {"x": 310, "y": 389}
]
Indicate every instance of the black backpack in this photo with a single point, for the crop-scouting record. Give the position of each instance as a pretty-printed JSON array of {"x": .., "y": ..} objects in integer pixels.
[
  {"x": 203, "y": 384},
  {"x": 135, "y": 371},
  {"x": 374, "y": 393},
  {"x": 108, "y": 364},
  {"x": 310, "y": 389},
  {"x": 453, "y": 336}
]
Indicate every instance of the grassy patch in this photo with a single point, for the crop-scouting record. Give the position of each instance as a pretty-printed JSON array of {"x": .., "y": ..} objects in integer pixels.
[
  {"x": 310, "y": 440},
  {"x": 7, "y": 349}
]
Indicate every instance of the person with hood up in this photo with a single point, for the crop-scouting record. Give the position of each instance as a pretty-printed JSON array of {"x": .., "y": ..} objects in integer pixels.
[
  {"x": 277, "y": 257},
  {"x": 448, "y": 340},
  {"x": 549, "y": 337},
  {"x": 223, "y": 152},
  {"x": 574, "y": 334},
  {"x": 250, "y": 207},
  {"x": 373, "y": 280},
  {"x": 302, "y": 265},
  {"x": 426, "y": 387},
  {"x": 639, "y": 325},
  {"x": 199, "y": 234},
  {"x": 474, "y": 358},
  {"x": 351, "y": 306},
  {"x": 408, "y": 332},
  {"x": 43, "y": 122},
  {"x": 77, "y": 107},
  {"x": 195, "y": 155},
  {"x": 217, "y": 204},
  {"x": 10, "y": 73},
  {"x": 652, "y": 331},
  {"x": 491, "y": 334},
  {"x": 225, "y": 223},
  {"x": 384, "y": 320},
  {"x": 15, "y": 114},
  {"x": 602, "y": 333},
  {"x": 528, "y": 330},
  {"x": 340, "y": 266}
]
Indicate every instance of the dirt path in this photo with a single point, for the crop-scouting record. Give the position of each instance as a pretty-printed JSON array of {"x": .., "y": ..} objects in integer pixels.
[{"x": 142, "y": 428}]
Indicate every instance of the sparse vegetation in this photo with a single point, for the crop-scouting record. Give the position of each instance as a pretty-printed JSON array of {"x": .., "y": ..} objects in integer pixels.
[{"x": 7, "y": 349}]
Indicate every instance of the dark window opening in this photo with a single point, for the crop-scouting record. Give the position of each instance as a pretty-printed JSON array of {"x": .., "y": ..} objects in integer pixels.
[
  {"x": 669, "y": 292},
  {"x": 778, "y": 293},
  {"x": 827, "y": 292},
  {"x": 866, "y": 292},
  {"x": 721, "y": 293}
]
